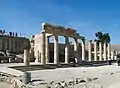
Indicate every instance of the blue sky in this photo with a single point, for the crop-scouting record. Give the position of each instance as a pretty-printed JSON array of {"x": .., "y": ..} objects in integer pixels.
[{"x": 86, "y": 16}]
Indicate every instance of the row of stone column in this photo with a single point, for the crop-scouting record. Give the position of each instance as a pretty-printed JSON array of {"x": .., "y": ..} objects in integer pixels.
[
  {"x": 114, "y": 55},
  {"x": 45, "y": 49},
  {"x": 103, "y": 54}
]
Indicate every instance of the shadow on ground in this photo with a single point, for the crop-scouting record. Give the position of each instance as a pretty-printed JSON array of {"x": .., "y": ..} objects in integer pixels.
[{"x": 54, "y": 66}]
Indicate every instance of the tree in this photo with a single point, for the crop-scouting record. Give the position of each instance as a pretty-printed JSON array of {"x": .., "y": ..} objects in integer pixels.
[{"x": 103, "y": 37}]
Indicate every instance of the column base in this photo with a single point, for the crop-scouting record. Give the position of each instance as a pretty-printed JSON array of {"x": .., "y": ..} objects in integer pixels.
[{"x": 36, "y": 61}]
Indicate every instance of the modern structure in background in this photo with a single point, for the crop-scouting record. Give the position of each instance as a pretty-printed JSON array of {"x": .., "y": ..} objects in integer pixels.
[{"x": 46, "y": 52}]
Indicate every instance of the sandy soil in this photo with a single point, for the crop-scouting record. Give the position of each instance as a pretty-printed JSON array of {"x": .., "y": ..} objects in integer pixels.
[
  {"x": 106, "y": 76},
  {"x": 5, "y": 85},
  {"x": 95, "y": 77}
]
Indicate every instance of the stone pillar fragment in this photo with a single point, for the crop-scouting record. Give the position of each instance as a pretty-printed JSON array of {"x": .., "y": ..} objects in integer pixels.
[
  {"x": 26, "y": 77},
  {"x": 100, "y": 51},
  {"x": 89, "y": 51},
  {"x": 56, "y": 51},
  {"x": 47, "y": 50},
  {"x": 36, "y": 56},
  {"x": 26, "y": 57},
  {"x": 43, "y": 48},
  {"x": 105, "y": 51},
  {"x": 66, "y": 49},
  {"x": 76, "y": 48},
  {"x": 95, "y": 50},
  {"x": 83, "y": 50},
  {"x": 112, "y": 55},
  {"x": 108, "y": 51}
]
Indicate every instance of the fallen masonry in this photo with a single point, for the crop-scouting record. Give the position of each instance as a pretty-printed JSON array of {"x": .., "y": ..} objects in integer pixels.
[{"x": 17, "y": 83}]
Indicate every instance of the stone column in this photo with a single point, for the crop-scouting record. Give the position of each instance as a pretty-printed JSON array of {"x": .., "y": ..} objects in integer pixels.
[
  {"x": 112, "y": 55},
  {"x": 108, "y": 51},
  {"x": 105, "y": 56},
  {"x": 76, "y": 48},
  {"x": 26, "y": 57},
  {"x": 100, "y": 51},
  {"x": 36, "y": 56},
  {"x": 47, "y": 50},
  {"x": 95, "y": 50},
  {"x": 66, "y": 49},
  {"x": 89, "y": 51},
  {"x": 56, "y": 51},
  {"x": 43, "y": 47},
  {"x": 26, "y": 77},
  {"x": 83, "y": 50},
  {"x": 115, "y": 55}
]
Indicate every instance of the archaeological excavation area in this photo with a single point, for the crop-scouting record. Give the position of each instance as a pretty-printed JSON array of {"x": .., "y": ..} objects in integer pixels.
[
  {"x": 53, "y": 65},
  {"x": 81, "y": 49}
]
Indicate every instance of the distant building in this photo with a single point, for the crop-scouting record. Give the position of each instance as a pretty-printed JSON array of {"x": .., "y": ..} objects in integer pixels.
[{"x": 13, "y": 44}]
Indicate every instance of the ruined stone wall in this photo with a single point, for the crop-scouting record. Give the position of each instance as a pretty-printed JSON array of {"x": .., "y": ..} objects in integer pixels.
[
  {"x": 13, "y": 44},
  {"x": 37, "y": 49}
]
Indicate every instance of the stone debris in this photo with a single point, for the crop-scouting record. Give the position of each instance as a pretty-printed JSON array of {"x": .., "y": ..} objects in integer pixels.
[
  {"x": 15, "y": 82},
  {"x": 81, "y": 81},
  {"x": 111, "y": 73},
  {"x": 71, "y": 83}
]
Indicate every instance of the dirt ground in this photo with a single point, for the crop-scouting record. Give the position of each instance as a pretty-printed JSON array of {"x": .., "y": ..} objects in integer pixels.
[{"x": 5, "y": 85}]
